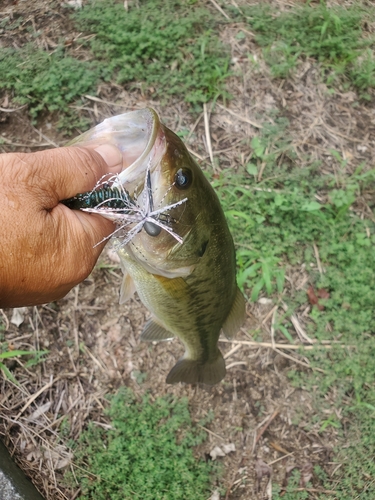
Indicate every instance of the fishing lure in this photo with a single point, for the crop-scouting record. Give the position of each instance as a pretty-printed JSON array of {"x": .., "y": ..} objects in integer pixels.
[
  {"x": 110, "y": 199},
  {"x": 104, "y": 195},
  {"x": 107, "y": 196}
]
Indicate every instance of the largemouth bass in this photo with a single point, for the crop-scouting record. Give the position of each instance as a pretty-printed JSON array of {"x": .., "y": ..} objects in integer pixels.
[{"x": 180, "y": 255}]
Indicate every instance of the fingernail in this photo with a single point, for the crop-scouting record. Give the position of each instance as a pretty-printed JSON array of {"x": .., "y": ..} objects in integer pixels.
[{"x": 112, "y": 156}]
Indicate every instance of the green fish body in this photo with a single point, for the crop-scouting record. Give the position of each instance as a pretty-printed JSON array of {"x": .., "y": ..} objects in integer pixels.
[{"x": 189, "y": 288}]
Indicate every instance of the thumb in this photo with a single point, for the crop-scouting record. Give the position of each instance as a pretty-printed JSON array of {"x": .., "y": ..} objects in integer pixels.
[
  {"x": 85, "y": 166},
  {"x": 98, "y": 228},
  {"x": 65, "y": 172},
  {"x": 77, "y": 169}
]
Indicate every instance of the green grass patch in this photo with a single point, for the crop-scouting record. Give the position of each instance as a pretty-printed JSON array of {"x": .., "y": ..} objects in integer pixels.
[
  {"x": 171, "y": 48},
  {"x": 168, "y": 49},
  {"x": 146, "y": 455},
  {"x": 275, "y": 223},
  {"x": 333, "y": 36},
  {"x": 45, "y": 81},
  {"x": 7, "y": 354}
]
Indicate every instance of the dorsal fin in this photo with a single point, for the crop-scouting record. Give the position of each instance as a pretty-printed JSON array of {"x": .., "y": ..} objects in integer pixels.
[{"x": 236, "y": 316}]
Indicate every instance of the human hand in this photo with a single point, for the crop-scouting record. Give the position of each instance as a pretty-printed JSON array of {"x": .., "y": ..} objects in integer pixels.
[{"x": 46, "y": 248}]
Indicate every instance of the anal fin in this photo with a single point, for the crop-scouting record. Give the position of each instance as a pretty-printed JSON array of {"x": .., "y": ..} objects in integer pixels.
[
  {"x": 236, "y": 316},
  {"x": 155, "y": 331},
  {"x": 193, "y": 371}
]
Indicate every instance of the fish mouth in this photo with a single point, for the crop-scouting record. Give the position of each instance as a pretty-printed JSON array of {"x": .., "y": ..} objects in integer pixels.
[
  {"x": 139, "y": 136},
  {"x": 137, "y": 197}
]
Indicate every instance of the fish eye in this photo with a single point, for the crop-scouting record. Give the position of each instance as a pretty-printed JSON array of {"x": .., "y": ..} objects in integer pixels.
[{"x": 183, "y": 178}]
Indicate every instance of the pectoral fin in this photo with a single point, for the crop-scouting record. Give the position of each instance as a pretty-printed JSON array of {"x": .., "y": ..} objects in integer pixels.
[
  {"x": 236, "y": 316},
  {"x": 153, "y": 330},
  {"x": 127, "y": 288}
]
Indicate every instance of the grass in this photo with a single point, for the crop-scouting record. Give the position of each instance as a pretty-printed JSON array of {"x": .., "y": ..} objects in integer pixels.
[
  {"x": 147, "y": 454},
  {"x": 334, "y": 36},
  {"x": 275, "y": 223},
  {"x": 10, "y": 354},
  {"x": 45, "y": 81},
  {"x": 168, "y": 49},
  {"x": 172, "y": 50}
]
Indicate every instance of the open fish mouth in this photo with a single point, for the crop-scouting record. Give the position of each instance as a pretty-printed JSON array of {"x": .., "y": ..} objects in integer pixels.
[
  {"x": 139, "y": 136},
  {"x": 127, "y": 198}
]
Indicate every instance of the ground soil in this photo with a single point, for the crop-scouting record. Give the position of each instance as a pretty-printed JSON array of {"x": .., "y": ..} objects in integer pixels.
[{"x": 93, "y": 342}]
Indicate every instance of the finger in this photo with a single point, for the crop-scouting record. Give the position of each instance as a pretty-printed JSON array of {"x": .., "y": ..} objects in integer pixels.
[
  {"x": 79, "y": 237},
  {"x": 84, "y": 167},
  {"x": 96, "y": 229},
  {"x": 64, "y": 172}
]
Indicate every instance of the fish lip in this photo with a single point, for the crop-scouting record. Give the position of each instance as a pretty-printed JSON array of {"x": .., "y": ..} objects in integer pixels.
[{"x": 152, "y": 153}]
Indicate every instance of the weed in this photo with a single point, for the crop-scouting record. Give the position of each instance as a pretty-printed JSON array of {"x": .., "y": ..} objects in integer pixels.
[
  {"x": 275, "y": 223},
  {"x": 331, "y": 35},
  {"x": 11, "y": 354},
  {"x": 292, "y": 490},
  {"x": 45, "y": 81},
  {"x": 147, "y": 453},
  {"x": 167, "y": 48}
]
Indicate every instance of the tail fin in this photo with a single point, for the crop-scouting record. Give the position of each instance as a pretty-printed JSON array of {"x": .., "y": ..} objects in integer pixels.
[{"x": 195, "y": 372}]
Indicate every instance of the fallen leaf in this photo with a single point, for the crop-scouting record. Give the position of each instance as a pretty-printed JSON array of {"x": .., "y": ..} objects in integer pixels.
[
  {"x": 221, "y": 452},
  {"x": 278, "y": 447},
  {"x": 269, "y": 489},
  {"x": 34, "y": 454},
  {"x": 306, "y": 474},
  {"x": 39, "y": 411},
  {"x": 215, "y": 495},
  {"x": 76, "y": 4},
  {"x": 323, "y": 293},
  {"x": 264, "y": 301},
  {"x": 228, "y": 448},
  {"x": 314, "y": 297},
  {"x": 59, "y": 458},
  {"x": 288, "y": 473}
]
